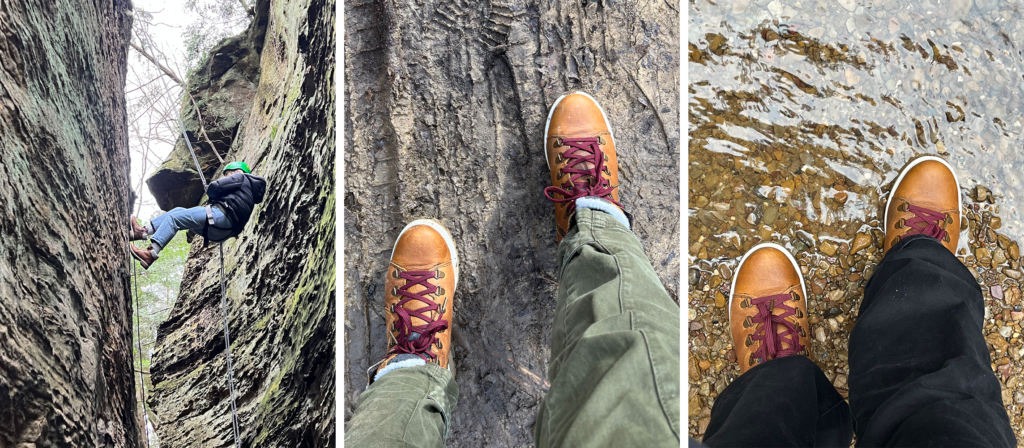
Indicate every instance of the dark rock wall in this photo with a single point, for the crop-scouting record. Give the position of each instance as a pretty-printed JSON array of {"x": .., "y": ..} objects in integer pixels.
[
  {"x": 446, "y": 103},
  {"x": 65, "y": 316},
  {"x": 280, "y": 270}
]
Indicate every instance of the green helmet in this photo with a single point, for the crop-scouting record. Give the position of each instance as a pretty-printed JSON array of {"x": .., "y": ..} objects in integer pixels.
[{"x": 237, "y": 166}]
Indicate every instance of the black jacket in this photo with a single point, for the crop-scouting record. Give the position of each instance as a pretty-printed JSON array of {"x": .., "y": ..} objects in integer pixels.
[{"x": 238, "y": 194}]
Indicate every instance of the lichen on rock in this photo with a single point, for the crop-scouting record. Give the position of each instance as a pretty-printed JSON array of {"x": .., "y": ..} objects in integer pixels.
[{"x": 66, "y": 377}]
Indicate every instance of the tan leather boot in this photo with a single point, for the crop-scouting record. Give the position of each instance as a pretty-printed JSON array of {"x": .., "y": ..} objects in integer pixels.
[
  {"x": 138, "y": 233},
  {"x": 145, "y": 257},
  {"x": 925, "y": 199},
  {"x": 768, "y": 307},
  {"x": 419, "y": 294},
  {"x": 581, "y": 156}
]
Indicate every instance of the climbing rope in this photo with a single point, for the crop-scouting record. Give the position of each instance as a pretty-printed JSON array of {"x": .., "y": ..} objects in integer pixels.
[
  {"x": 138, "y": 333},
  {"x": 194, "y": 158},
  {"x": 223, "y": 297}
]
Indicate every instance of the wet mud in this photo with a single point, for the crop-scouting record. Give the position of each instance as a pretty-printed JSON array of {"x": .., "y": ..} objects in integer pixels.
[
  {"x": 802, "y": 115},
  {"x": 446, "y": 104}
]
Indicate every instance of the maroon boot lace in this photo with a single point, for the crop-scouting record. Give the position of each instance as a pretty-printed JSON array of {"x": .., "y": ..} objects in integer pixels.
[
  {"x": 767, "y": 331},
  {"x": 428, "y": 331},
  {"x": 925, "y": 221},
  {"x": 582, "y": 181}
]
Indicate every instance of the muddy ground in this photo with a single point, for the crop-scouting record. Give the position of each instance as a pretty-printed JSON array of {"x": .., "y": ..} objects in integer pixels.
[
  {"x": 445, "y": 109},
  {"x": 802, "y": 115}
]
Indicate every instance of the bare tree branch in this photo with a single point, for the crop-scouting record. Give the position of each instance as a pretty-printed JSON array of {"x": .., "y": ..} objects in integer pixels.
[
  {"x": 247, "y": 9},
  {"x": 159, "y": 65}
]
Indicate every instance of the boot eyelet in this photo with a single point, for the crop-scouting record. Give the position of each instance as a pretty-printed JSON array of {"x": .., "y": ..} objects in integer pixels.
[
  {"x": 558, "y": 142},
  {"x": 439, "y": 345},
  {"x": 747, "y": 323},
  {"x": 559, "y": 158},
  {"x": 438, "y": 274},
  {"x": 899, "y": 224},
  {"x": 440, "y": 310},
  {"x": 600, "y": 139},
  {"x": 394, "y": 290},
  {"x": 748, "y": 342},
  {"x": 394, "y": 274},
  {"x": 903, "y": 207},
  {"x": 440, "y": 291}
]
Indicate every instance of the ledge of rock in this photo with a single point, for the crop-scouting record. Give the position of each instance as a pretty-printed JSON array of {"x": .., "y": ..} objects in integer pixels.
[{"x": 224, "y": 89}]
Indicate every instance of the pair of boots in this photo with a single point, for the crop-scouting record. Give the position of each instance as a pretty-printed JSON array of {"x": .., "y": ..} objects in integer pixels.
[
  {"x": 768, "y": 298},
  {"x": 138, "y": 233},
  {"x": 424, "y": 268}
]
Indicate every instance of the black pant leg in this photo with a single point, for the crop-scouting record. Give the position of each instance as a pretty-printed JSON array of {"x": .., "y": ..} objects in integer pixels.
[
  {"x": 920, "y": 371},
  {"x": 783, "y": 402}
]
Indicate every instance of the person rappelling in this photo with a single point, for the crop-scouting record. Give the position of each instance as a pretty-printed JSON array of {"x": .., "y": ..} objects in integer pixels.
[{"x": 230, "y": 203}]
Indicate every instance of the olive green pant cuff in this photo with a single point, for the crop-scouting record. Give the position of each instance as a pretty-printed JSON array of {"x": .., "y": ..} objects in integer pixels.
[
  {"x": 408, "y": 407},
  {"x": 614, "y": 369}
]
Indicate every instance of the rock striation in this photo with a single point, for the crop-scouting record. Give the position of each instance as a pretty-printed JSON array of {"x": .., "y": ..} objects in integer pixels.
[
  {"x": 66, "y": 377},
  {"x": 272, "y": 92}
]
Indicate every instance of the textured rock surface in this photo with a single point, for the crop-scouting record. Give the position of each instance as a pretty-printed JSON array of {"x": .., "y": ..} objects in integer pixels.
[
  {"x": 446, "y": 104},
  {"x": 280, "y": 270},
  {"x": 65, "y": 335}
]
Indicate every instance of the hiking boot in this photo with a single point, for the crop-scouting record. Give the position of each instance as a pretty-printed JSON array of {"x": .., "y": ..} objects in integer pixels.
[
  {"x": 145, "y": 257},
  {"x": 580, "y": 155},
  {"x": 768, "y": 307},
  {"x": 419, "y": 294},
  {"x": 925, "y": 199},
  {"x": 138, "y": 233}
]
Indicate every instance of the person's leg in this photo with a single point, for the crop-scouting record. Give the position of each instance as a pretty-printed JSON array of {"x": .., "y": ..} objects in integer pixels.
[
  {"x": 614, "y": 367},
  {"x": 405, "y": 407},
  {"x": 919, "y": 366},
  {"x": 781, "y": 398},
  {"x": 783, "y": 402},
  {"x": 410, "y": 400},
  {"x": 920, "y": 371},
  {"x": 168, "y": 224}
]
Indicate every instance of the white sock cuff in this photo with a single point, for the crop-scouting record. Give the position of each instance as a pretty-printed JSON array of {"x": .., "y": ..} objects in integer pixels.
[
  {"x": 398, "y": 365},
  {"x": 596, "y": 203}
]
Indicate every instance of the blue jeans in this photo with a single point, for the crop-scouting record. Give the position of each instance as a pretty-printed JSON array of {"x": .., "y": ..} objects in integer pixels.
[{"x": 168, "y": 224}]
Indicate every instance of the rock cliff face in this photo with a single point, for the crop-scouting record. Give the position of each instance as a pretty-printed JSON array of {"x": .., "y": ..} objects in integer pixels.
[
  {"x": 65, "y": 315},
  {"x": 271, "y": 91},
  {"x": 446, "y": 105}
]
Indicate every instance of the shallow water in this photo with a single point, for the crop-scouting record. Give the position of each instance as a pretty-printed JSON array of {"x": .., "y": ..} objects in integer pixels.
[{"x": 802, "y": 114}]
